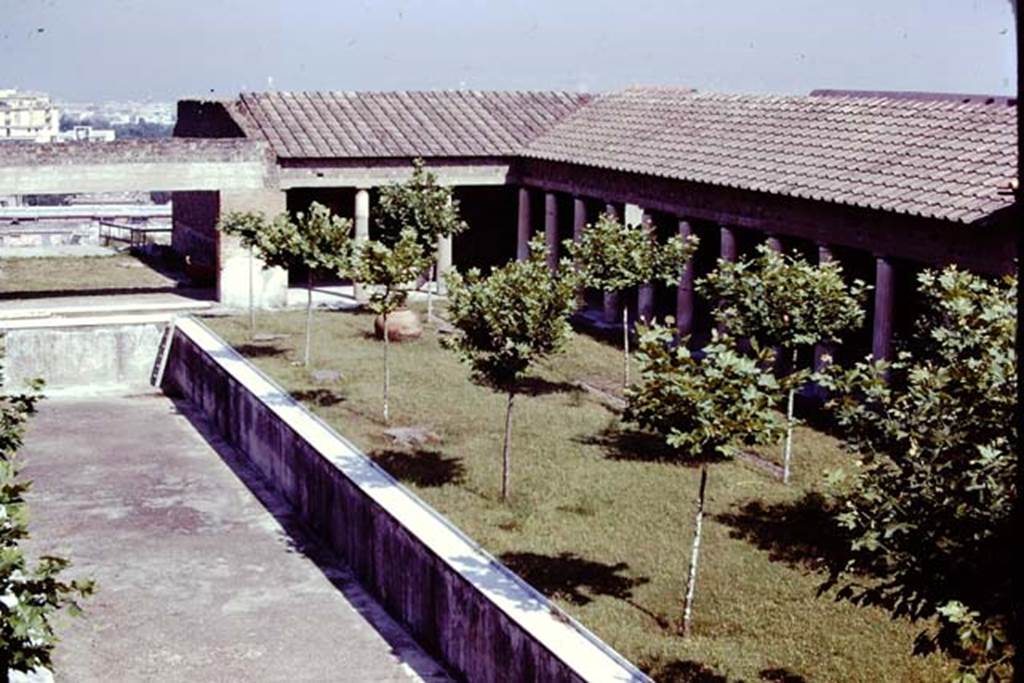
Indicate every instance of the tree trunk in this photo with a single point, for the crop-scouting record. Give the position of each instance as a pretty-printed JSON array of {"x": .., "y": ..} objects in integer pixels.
[
  {"x": 506, "y": 453},
  {"x": 252, "y": 301},
  {"x": 430, "y": 291},
  {"x": 309, "y": 314},
  {"x": 787, "y": 449},
  {"x": 625, "y": 346},
  {"x": 387, "y": 367},
  {"x": 691, "y": 578}
]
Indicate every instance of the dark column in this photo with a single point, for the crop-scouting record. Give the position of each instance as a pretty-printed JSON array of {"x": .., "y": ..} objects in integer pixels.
[
  {"x": 645, "y": 292},
  {"x": 523, "y": 229},
  {"x": 822, "y": 350},
  {"x": 611, "y": 299},
  {"x": 551, "y": 228},
  {"x": 728, "y": 250},
  {"x": 774, "y": 243},
  {"x": 579, "y": 217},
  {"x": 684, "y": 292},
  {"x": 881, "y": 340}
]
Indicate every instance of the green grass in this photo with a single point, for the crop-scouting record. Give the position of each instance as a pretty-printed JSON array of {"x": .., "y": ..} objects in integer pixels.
[
  {"x": 600, "y": 522},
  {"x": 79, "y": 274}
]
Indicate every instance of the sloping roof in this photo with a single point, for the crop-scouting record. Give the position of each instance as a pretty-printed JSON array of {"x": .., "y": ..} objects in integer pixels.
[
  {"x": 400, "y": 124},
  {"x": 932, "y": 157}
]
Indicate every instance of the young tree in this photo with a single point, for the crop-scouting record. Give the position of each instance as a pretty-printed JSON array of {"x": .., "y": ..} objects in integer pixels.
[
  {"x": 784, "y": 301},
  {"x": 507, "y": 321},
  {"x": 247, "y": 226},
  {"x": 388, "y": 269},
  {"x": 29, "y": 596},
  {"x": 316, "y": 239},
  {"x": 426, "y": 207},
  {"x": 716, "y": 404},
  {"x": 928, "y": 509},
  {"x": 614, "y": 257}
]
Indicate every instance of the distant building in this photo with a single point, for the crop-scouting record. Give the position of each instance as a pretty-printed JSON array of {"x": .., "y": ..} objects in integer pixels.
[
  {"x": 27, "y": 117},
  {"x": 87, "y": 134}
]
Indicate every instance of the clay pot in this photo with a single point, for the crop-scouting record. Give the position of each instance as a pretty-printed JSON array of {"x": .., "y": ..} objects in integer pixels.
[{"x": 402, "y": 324}]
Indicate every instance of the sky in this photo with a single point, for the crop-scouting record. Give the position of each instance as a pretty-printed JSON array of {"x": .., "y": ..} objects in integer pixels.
[{"x": 94, "y": 50}]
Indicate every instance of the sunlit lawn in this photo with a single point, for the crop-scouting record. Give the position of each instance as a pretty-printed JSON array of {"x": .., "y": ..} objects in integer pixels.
[
  {"x": 121, "y": 272},
  {"x": 599, "y": 522}
]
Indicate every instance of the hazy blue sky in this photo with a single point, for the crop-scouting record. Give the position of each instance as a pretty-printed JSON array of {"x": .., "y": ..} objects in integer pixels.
[{"x": 110, "y": 49}]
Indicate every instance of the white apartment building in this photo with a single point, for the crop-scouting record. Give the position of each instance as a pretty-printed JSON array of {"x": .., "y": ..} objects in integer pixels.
[{"x": 27, "y": 117}]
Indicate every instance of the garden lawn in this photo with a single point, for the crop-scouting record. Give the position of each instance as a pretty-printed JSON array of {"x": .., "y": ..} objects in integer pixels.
[
  {"x": 81, "y": 274},
  {"x": 602, "y": 523}
]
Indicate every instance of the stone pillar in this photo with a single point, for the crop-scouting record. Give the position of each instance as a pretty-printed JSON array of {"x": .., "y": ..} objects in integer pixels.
[
  {"x": 362, "y": 224},
  {"x": 612, "y": 312},
  {"x": 822, "y": 350},
  {"x": 233, "y": 264},
  {"x": 684, "y": 292},
  {"x": 444, "y": 262},
  {"x": 551, "y": 228},
  {"x": 774, "y": 243},
  {"x": 728, "y": 249},
  {"x": 645, "y": 293},
  {"x": 579, "y": 217},
  {"x": 523, "y": 226},
  {"x": 881, "y": 339}
]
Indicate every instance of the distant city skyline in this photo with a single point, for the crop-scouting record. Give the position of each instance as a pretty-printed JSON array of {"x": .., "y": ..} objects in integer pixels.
[{"x": 163, "y": 51}]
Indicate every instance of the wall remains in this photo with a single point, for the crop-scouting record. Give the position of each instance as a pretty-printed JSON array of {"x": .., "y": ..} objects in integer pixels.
[{"x": 462, "y": 606}]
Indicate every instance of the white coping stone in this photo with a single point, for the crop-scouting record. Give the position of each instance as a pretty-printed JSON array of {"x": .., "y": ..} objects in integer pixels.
[
  {"x": 90, "y": 321},
  {"x": 570, "y": 642},
  {"x": 102, "y": 309}
]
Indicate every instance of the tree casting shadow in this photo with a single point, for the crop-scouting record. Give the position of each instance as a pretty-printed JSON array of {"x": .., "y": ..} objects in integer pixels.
[
  {"x": 566, "y": 575},
  {"x": 320, "y": 397},
  {"x": 259, "y": 350},
  {"x": 635, "y": 446},
  {"x": 800, "y": 533},
  {"x": 538, "y": 386},
  {"x": 420, "y": 467}
]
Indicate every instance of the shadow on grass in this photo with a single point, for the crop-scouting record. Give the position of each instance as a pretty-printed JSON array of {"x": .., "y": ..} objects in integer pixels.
[
  {"x": 428, "y": 469},
  {"x": 780, "y": 675},
  {"x": 538, "y": 386},
  {"x": 681, "y": 671},
  {"x": 800, "y": 533},
  {"x": 319, "y": 397},
  {"x": 567, "y": 575},
  {"x": 634, "y": 446},
  {"x": 260, "y": 350}
]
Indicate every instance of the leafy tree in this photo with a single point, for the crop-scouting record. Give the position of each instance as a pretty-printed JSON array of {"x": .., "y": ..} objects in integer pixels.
[
  {"x": 782, "y": 300},
  {"x": 316, "y": 239},
  {"x": 248, "y": 226},
  {"x": 714, "y": 404},
  {"x": 613, "y": 257},
  {"x": 426, "y": 207},
  {"x": 29, "y": 596},
  {"x": 389, "y": 269},
  {"x": 928, "y": 509},
  {"x": 507, "y": 321}
]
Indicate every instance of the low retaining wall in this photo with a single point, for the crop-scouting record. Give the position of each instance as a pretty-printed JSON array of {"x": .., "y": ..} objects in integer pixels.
[
  {"x": 102, "y": 353},
  {"x": 464, "y": 607}
]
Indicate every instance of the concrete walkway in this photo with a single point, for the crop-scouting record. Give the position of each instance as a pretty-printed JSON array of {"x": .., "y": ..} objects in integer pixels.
[{"x": 203, "y": 575}]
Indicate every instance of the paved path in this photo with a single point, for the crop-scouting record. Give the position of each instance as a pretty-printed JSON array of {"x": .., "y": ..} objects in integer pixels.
[{"x": 198, "y": 578}]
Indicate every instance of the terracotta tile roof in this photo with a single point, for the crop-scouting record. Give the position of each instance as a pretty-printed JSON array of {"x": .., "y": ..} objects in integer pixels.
[
  {"x": 400, "y": 124},
  {"x": 935, "y": 157}
]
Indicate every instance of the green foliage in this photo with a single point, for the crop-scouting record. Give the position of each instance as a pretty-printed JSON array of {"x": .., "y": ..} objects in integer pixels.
[
  {"x": 928, "y": 512},
  {"x": 316, "y": 239},
  {"x": 513, "y": 317},
  {"x": 715, "y": 404},
  {"x": 783, "y": 300},
  {"x": 420, "y": 204},
  {"x": 29, "y": 596},
  {"x": 248, "y": 226},
  {"x": 612, "y": 256},
  {"x": 390, "y": 269}
]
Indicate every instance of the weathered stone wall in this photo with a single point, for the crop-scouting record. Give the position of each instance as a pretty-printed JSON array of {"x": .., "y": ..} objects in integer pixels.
[
  {"x": 82, "y": 355},
  {"x": 460, "y": 604}
]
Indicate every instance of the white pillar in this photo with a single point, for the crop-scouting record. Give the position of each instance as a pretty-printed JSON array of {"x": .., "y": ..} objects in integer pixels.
[
  {"x": 362, "y": 215},
  {"x": 822, "y": 350},
  {"x": 444, "y": 262},
  {"x": 523, "y": 226},
  {"x": 551, "y": 228},
  {"x": 774, "y": 243}
]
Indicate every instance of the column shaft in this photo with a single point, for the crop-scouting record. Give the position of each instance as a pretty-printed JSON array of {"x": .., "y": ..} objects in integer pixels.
[
  {"x": 362, "y": 225},
  {"x": 823, "y": 350},
  {"x": 551, "y": 228},
  {"x": 728, "y": 250},
  {"x": 684, "y": 292},
  {"x": 645, "y": 292},
  {"x": 881, "y": 340},
  {"x": 611, "y": 299},
  {"x": 774, "y": 243},
  {"x": 523, "y": 226}
]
